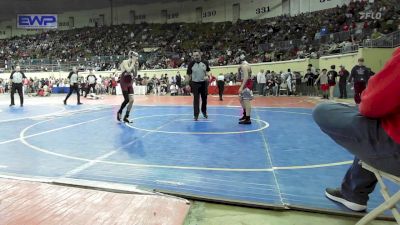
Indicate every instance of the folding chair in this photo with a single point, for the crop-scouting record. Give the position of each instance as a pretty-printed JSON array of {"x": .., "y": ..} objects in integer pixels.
[
  {"x": 390, "y": 201},
  {"x": 284, "y": 88}
]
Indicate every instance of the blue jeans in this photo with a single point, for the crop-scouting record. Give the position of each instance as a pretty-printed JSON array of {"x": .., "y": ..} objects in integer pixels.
[
  {"x": 261, "y": 88},
  {"x": 363, "y": 137}
]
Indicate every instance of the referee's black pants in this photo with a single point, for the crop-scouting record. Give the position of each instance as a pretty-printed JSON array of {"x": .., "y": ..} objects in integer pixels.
[
  {"x": 18, "y": 88},
  {"x": 90, "y": 86},
  {"x": 199, "y": 89},
  {"x": 74, "y": 87},
  {"x": 221, "y": 86}
]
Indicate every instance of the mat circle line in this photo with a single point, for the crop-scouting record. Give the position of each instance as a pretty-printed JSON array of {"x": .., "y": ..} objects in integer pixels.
[{"x": 265, "y": 125}]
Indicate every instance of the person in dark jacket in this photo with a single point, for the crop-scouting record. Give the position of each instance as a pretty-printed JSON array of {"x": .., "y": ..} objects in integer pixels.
[
  {"x": 332, "y": 74},
  {"x": 178, "y": 79},
  {"x": 359, "y": 77},
  {"x": 343, "y": 77},
  {"x": 310, "y": 79}
]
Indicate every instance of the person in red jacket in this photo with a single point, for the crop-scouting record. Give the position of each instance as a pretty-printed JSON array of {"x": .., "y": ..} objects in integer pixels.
[{"x": 371, "y": 132}]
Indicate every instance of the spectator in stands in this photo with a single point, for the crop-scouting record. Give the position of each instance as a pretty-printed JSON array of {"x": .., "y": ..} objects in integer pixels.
[
  {"x": 309, "y": 78},
  {"x": 359, "y": 77},
  {"x": 268, "y": 89},
  {"x": 376, "y": 34},
  {"x": 343, "y": 77},
  {"x": 156, "y": 85},
  {"x": 163, "y": 88},
  {"x": 178, "y": 80},
  {"x": 114, "y": 85},
  {"x": 300, "y": 87},
  {"x": 2, "y": 91},
  {"x": 332, "y": 75},
  {"x": 261, "y": 81},
  {"x": 289, "y": 78},
  {"x": 173, "y": 89},
  {"x": 139, "y": 80},
  {"x": 226, "y": 38},
  {"x": 99, "y": 85},
  {"x": 165, "y": 78},
  {"x": 277, "y": 81},
  {"x": 311, "y": 68},
  {"x": 323, "y": 79}
]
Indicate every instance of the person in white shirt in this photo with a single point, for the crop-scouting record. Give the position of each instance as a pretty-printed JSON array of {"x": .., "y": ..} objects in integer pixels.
[
  {"x": 16, "y": 79},
  {"x": 74, "y": 85},
  {"x": 174, "y": 89},
  {"x": 172, "y": 79},
  {"x": 261, "y": 80},
  {"x": 100, "y": 88}
]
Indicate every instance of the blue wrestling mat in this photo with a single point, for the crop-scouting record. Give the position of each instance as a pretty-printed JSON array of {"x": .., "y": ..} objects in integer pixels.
[{"x": 281, "y": 160}]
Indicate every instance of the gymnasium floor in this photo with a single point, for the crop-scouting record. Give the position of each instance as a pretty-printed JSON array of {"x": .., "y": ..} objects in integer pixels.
[{"x": 282, "y": 160}]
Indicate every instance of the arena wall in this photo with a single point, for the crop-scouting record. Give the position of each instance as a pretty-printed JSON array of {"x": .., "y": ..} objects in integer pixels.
[
  {"x": 303, "y": 6},
  {"x": 376, "y": 57}
]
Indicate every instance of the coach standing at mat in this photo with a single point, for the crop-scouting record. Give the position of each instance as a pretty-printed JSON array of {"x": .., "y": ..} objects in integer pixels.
[
  {"x": 198, "y": 74},
  {"x": 17, "y": 77}
]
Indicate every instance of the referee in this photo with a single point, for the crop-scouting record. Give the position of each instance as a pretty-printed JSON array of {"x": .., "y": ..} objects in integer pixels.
[
  {"x": 91, "y": 82},
  {"x": 198, "y": 74},
  {"x": 17, "y": 78},
  {"x": 74, "y": 85}
]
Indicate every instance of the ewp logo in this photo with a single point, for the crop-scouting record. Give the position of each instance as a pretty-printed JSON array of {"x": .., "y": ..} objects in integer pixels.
[{"x": 37, "y": 21}]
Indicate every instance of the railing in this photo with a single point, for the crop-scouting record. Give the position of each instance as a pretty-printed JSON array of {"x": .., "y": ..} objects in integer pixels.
[
  {"x": 35, "y": 65},
  {"x": 391, "y": 40},
  {"x": 359, "y": 34},
  {"x": 396, "y": 38},
  {"x": 349, "y": 49},
  {"x": 338, "y": 37}
]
